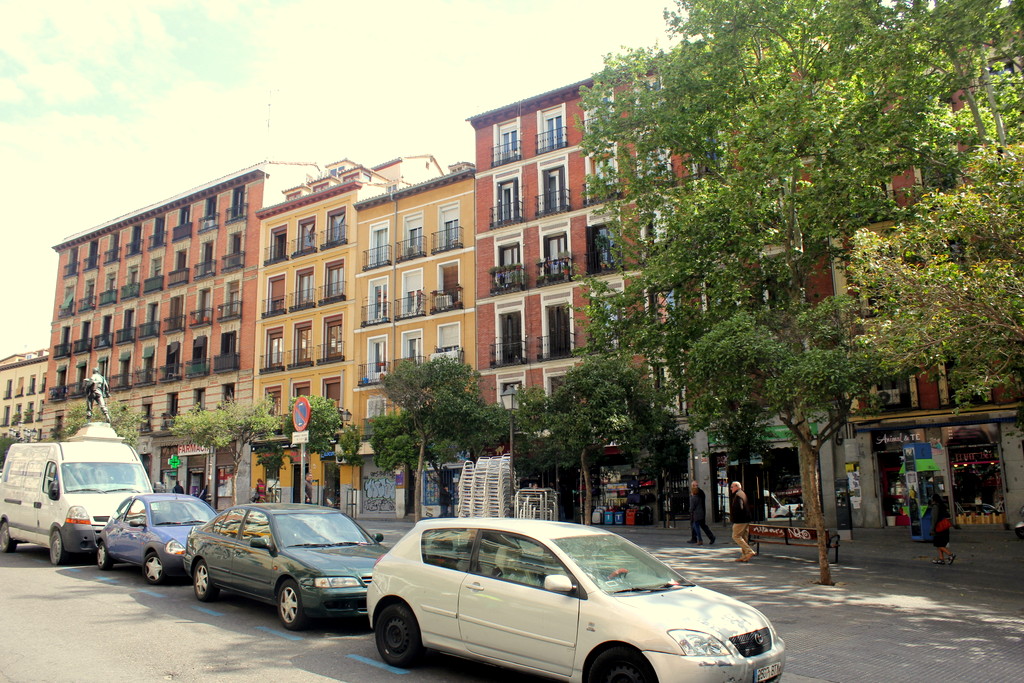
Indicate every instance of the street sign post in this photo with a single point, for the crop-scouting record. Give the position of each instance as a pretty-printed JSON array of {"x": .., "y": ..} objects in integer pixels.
[
  {"x": 301, "y": 414},
  {"x": 300, "y": 438}
]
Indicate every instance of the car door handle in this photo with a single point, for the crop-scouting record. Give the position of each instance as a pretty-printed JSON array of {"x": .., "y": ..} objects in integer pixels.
[
  {"x": 37, "y": 505},
  {"x": 474, "y": 587}
]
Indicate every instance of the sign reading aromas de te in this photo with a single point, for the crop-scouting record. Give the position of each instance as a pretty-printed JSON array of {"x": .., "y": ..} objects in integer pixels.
[{"x": 300, "y": 414}]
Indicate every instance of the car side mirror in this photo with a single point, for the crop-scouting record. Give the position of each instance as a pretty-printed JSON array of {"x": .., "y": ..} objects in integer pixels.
[
  {"x": 137, "y": 522},
  {"x": 54, "y": 491},
  {"x": 558, "y": 583},
  {"x": 261, "y": 542},
  {"x": 379, "y": 537}
]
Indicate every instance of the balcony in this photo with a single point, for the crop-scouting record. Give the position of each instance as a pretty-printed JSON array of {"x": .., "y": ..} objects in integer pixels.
[
  {"x": 120, "y": 382},
  {"x": 66, "y": 311},
  {"x": 553, "y": 202},
  {"x": 601, "y": 260},
  {"x": 504, "y": 354},
  {"x": 231, "y": 310},
  {"x": 274, "y": 306},
  {"x": 555, "y": 346},
  {"x": 157, "y": 240},
  {"x": 372, "y": 373},
  {"x": 210, "y": 222},
  {"x": 126, "y": 335},
  {"x": 226, "y": 362},
  {"x": 133, "y": 248},
  {"x": 197, "y": 367},
  {"x": 272, "y": 362},
  {"x": 174, "y": 323},
  {"x": 87, "y": 303},
  {"x": 446, "y": 240},
  {"x": 146, "y": 426},
  {"x": 153, "y": 284},
  {"x": 82, "y": 345},
  {"x": 181, "y": 232},
  {"x": 551, "y": 140},
  {"x": 412, "y": 305},
  {"x": 377, "y": 257},
  {"x": 304, "y": 245},
  {"x": 61, "y": 350},
  {"x": 456, "y": 353},
  {"x": 108, "y": 297},
  {"x": 445, "y": 300},
  {"x": 200, "y": 317},
  {"x": 303, "y": 299},
  {"x": 103, "y": 341},
  {"x": 236, "y": 212},
  {"x": 91, "y": 262},
  {"x": 59, "y": 393},
  {"x": 177, "y": 277},
  {"x": 331, "y": 352},
  {"x": 150, "y": 329},
  {"x": 276, "y": 253},
  {"x": 204, "y": 270},
  {"x": 332, "y": 292},
  {"x": 505, "y": 154},
  {"x": 112, "y": 255},
  {"x": 129, "y": 291},
  {"x": 232, "y": 262},
  {"x": 71, "y": 269},
  {"x": 333, "y": 237},
  {"x": 508, "y": 213},
  {"x": 76, "y": 390},
  {"x": 506, "y": 279},
  {"x": 170, "y": 372},
  {"x": 301, "y": 358},
  {"x": 410, "y": 249},
  {"x": 145, "y": 377},
  {"x": 551, "y": 271},
  {"x": 375, "y": 314}
]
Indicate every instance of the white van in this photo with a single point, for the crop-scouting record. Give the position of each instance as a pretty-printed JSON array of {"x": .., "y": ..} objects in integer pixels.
[{"x": 61, "y": 495}]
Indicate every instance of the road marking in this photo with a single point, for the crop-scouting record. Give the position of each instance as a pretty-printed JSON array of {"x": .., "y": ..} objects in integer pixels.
[
  {"x": 207, "y": 610},
  {"x": 153, "y": 593},
  {"x": 279, "y": 634},
  {"x": 379, "y": 665},
  {"x": 107, "y": 579}
]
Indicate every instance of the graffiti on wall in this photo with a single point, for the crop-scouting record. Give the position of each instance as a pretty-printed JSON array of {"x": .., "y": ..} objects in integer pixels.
[{"x": 379, "y": 492}]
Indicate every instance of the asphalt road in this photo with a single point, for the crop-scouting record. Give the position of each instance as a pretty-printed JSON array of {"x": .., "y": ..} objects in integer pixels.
[{"x": 892, "y": 616}]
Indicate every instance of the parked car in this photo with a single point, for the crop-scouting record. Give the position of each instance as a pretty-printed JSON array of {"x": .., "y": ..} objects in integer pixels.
[
  {"x": 150, "y": 530},
  {"x": 569, "y": 602},
  {"x": 310, "y": 561}
]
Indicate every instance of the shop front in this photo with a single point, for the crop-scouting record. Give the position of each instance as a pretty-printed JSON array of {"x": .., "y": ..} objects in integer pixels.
[{"x": 977, "y": 473}]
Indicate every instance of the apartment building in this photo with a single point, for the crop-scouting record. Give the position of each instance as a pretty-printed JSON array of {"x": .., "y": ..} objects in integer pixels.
[
  {"x": 23, "y": 381},
  {"x": 163, "y": 301}
]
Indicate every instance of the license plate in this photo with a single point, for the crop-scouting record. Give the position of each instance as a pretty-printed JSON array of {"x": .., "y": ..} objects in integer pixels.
[{"x": 767, "y": 672}]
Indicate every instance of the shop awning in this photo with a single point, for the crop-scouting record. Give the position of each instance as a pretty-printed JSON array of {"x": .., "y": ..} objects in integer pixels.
[{"x": 68, "y": 299}]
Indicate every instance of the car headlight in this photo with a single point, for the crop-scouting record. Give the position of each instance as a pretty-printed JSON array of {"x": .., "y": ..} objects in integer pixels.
[
  {"x": 174, "y": 548},
  {"x": 699, "y": 644},
  {"x": 336, "y": 582}
]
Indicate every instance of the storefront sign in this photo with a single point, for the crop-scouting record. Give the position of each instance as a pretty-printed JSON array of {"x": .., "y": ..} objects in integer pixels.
[
  {"x": 192, "y": 449},
  {"x": 963, "y": 455}
]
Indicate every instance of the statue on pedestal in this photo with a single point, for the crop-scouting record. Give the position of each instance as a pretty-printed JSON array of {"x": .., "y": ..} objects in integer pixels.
[{"x": 96, "y": 391}]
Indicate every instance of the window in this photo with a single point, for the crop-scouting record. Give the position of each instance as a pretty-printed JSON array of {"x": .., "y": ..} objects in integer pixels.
[
  {"x": 334, "y": 287},
  {"x": 552, "y": 135},
  {"x": 227, "y": 392},
  {"x": 303, "y": 345},
  {"x": 336, "y": 227},
  {"x": 412, "y": 345},
  {"x": 334, "y": 336},
  {"x": 136, "y": 513},
  {"x": 508, "y": 255},
  {"x": 448, "y": 548},
  {"x": 449, "y": 236},
  {"x": 184, "y": 217},
  {"x": 199, "y": 399},
  {"x": 307, "y": 235},
  {"x": 172, "y": 403},
  {"x": 508, "y": 144},
  {"x": 516, "y": 559},
  {"x": 553, "y": 196},
  {"x": 257, "y": 525},
  {"x": 332, "y": 390},
  {"x": 508, "y": 208},
  {"x": 229, "y": 523}
]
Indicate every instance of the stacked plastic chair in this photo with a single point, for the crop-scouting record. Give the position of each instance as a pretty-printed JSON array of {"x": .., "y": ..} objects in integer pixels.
[
  {"x": 485, "y": 489},
  {"x": 535, "y": 503}
]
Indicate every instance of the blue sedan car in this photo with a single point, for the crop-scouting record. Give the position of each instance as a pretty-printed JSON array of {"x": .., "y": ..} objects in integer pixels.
[{"x": 150, "y": 530}]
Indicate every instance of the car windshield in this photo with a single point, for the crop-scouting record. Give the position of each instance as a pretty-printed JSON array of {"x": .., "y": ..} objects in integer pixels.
[
  {"x": 179, "y": 512},
  {"x": 313, "y": 529},
  {"x": 618, "y": 566},
  {"x": 104, "y": 477}
]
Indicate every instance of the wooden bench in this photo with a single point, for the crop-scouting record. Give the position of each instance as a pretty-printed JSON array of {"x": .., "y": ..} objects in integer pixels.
[{"x": 791, "y": 535}]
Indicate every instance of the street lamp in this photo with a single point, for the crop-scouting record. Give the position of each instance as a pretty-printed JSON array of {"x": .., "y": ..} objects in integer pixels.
[
  {"x": 509, "y": 399},
  {"x": 346, "y": 415}
]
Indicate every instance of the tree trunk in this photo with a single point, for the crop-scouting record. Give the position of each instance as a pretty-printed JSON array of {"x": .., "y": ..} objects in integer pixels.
[
  {"x": 587, "y": 498},
  {"x": 417, "y": 494},
  {"x": 810, "y": 481}
]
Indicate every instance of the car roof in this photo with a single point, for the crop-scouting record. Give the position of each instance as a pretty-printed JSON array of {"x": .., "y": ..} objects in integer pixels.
[
  {"x": 150, "y": 497},
  {"x": 533, "y": 527},
  {"x": 285, "y": 508}
]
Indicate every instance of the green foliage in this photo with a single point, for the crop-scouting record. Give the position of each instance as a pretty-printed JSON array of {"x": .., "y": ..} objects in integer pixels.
[
  {"x": 349, "y": 442},
  {"x": 124, "y": 421},
  {"x": 324, "y": 424},
  {"x": 5, "y": 444},
  {"x": 947, "y": 284},
  {"x": 393, "y": 442}
]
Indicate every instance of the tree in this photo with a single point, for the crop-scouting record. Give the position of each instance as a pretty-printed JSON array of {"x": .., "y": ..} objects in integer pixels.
[
  {"x": 124, "y": 421},
  {"x": 442, "y": 407},
  {"x": 745, "y": 158},
  {"x": 5, "y": 444},
  {"x": 946, "y": 284},
  {"x": 324, "y": 424},
  {"x": 230, "y": 424},
  {"x": 603, "y": 400}
]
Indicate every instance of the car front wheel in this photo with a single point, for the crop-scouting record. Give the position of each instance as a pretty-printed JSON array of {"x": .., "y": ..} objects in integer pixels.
[
  {"x": 289, "y": 607},
  {"x": 153, "y": 569},
  {"x": 202, "y": 584},
  {"x": 58, "y": 555},
  {"x": 622, "y": 665},
  {"x": 103, "y": 560},
  {"x": 398, "y": 636},
  {"x": 7, "y": 544}
]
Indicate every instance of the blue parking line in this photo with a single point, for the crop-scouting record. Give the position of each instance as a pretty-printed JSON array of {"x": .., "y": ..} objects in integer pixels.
[
  {"x": 153, "y": 593},
  {"x": 279, "y": 634},
  {"x": 107, "y": 579},
  {"x": 379, "y": 665},
  {"x": 207, "y": 610}
]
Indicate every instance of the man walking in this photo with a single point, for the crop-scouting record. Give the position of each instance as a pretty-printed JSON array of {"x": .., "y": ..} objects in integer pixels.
[
  {"x": 309, "y": 488},
  {"x": 739, "y": 511},
  {"x": 698, "y": 515}
]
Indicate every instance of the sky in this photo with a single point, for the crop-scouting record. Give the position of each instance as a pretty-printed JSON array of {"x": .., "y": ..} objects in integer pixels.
[{"x": 107, "y": 106}]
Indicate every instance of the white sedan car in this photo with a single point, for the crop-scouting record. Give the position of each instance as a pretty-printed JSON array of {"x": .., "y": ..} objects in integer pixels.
[{"x": 565, "y": 601}]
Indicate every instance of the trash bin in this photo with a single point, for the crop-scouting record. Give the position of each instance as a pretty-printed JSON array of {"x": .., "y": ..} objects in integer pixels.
[
  {"x": 609, "y": 517},
  {"x": 631, "y": 516},
  {"x": 620, "y": 517},
  {"x": 597, "y": 516}
]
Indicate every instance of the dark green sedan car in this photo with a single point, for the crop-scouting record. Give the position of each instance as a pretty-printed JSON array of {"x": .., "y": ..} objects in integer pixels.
[{"x": 308, "y": 560}]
